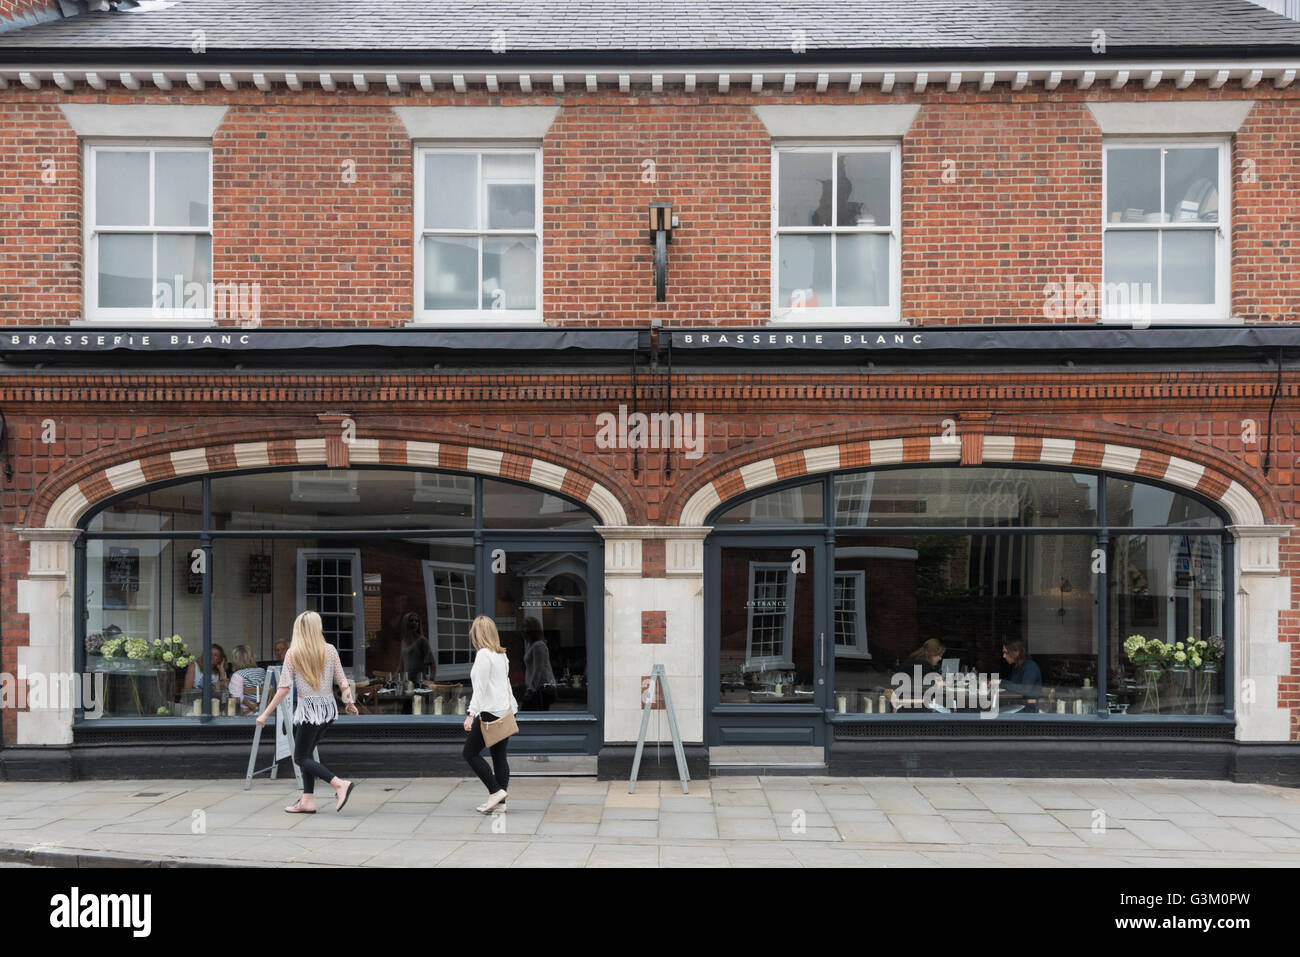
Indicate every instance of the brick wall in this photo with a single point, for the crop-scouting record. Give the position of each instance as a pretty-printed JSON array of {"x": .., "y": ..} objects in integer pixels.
[{"x": 1023, "y": 209}]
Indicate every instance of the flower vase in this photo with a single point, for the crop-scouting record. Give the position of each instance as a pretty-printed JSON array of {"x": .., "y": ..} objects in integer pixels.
[
  {"x": 1205, "y": 688},
  {"x": 1180, "y": 688},
  {"x": 1151, "y": 698}
]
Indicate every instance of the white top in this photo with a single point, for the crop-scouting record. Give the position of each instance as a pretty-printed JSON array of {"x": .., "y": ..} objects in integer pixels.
[
  {"x": 491, "y": 679},
  {"x": 316, "y": 705}
]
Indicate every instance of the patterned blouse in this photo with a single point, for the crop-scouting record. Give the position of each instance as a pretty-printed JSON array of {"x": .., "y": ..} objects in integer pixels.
[{"x": 316, "y": 705}]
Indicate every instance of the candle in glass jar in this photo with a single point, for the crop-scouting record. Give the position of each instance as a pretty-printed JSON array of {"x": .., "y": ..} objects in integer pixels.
[
  {"x": 417, "y": 704},
  {"x": 437, "y": 705},
  {"x": 197, "y": 708},
  {"x": 460, "y": 705},
  {"x": 216, "y": 707},
  {"x": 230, "y": 707}
]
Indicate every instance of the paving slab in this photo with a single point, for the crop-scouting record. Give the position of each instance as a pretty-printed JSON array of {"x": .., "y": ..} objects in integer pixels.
[{"x": 727, "y": 821}]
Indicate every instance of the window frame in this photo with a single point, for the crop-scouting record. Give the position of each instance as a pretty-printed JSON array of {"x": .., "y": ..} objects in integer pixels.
[
  {"x": 785, "y": 660},
  {"x": 475, "y": 317},
  {"x": 438, "y": 641},
  {"x": 91, "y": 230},
  {"x": 890, "y": 314},
  {"x": 859, "y": 648},
  {"x": 358, "y": 650},
  {"x": 1219, "y": 311}
]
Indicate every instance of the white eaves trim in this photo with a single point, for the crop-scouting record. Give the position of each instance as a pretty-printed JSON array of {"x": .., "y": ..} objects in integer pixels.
[
  {"x": 1171, "y": 118},
  {"x": 838, "y": 122},
  {"x": 648, "y": 79},
  {"x": 476, "y": 122},
  {"x": 103, "y": 119}
]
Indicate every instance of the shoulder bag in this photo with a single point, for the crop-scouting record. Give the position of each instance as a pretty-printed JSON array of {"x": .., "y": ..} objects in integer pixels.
[{"x": 498, "y": 730}]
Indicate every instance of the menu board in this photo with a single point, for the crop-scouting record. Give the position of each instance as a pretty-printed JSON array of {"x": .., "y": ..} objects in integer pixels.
[{"x": 121, "y": 575}]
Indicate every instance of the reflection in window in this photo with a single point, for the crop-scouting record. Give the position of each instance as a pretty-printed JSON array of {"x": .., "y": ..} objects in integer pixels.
[
  {"x": 770, "y": 620},
  {"x": 139, "y": 593},
  {"x": 449, "y": 587},
  {"x": 972, "y": 594},
  {"x": 791, "y": 506},
  {"x": 969, "y": 497}
]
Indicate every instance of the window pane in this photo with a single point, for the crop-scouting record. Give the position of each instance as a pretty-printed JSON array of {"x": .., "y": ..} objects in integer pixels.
[
  {"x": 509, "y": 273},
  {"x": 1132, "y": 185},
  {"x": 1187, "y": 267},
  {"x": 342, "y": 499},
  {"x": 805, "y": 272},
  {"x": 509, "y": 190},
  {"x": 791, "y": 506},
  {"x": 1147, "y": 506},
  {"x": 121, "y": 188},
  {"x": 805, "y": 189},
  {"x": 1192, "y": 185},
  {"x": 767, "y": 636},
  {"x": 862, "y": 270},
  {"x": 183, "y": 260},
  {"x": 514, "y": 506},
  {"x": 1163, "y": 590},
  {"x": 177, "y": 507},
  {"x": 863, "y": 192},
  {"x": 181, "y": 182},
  {"x": 139, "y": 592},
  {"x": 449, "y": 191},
  {"x": 450, "y": 272},
  {"x": 125, "y": 272},
  {"x": 541, "y": 603},
  {"x": 966, "y": 497},
  {"x": 969, "y": 608},
  {"x": 1131, "y": 261}
]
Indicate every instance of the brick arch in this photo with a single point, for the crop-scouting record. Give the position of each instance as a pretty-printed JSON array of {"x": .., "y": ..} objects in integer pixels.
[
  {"x": 1212, "y": 479},
  {"x": 68, "y": 497}
]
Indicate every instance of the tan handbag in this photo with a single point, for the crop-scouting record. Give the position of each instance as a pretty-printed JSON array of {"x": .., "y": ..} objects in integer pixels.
[{"x": 498, "y": 730}]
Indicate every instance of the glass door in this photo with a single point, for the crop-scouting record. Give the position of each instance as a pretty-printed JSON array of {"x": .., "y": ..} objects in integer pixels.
[
  {"x": 547, "y": 603},
  {"x": 770, "y": 651}
]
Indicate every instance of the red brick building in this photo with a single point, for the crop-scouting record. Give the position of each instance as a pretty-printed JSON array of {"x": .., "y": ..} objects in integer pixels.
[{"x": 974, "y": 329}]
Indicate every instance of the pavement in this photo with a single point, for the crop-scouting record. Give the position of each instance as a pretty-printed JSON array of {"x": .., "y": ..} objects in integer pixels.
[{"x": 726, "y": 821}]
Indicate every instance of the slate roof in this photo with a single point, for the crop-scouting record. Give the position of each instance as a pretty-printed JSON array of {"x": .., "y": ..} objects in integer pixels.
[{"x": 969, "y": 27}]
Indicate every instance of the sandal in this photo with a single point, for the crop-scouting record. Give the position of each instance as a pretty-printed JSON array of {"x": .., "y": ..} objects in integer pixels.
[
  {"x": 297, "y": 808},
  {"x": 347, "y": 793}
]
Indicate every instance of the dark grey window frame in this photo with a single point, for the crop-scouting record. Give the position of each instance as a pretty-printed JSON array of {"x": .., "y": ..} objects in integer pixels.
[
  {"x": 588, "y": 723},
  {"x": 1102, "y": 534}
]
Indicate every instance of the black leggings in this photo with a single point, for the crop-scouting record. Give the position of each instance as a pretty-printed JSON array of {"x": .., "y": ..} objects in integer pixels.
[
  {"x": 473, "y": 754},
  {"x": 305, "y": 739}
]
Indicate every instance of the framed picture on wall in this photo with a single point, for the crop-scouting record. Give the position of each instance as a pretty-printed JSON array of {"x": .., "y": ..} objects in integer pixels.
[
  {"x": 1144, "y": 611},
  {"x": 121, "y": 575},
  {"x": 259, "y": 574}
]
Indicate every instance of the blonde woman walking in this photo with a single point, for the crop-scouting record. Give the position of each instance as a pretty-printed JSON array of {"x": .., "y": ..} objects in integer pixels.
[
  {"x": 312, "y": 666},
  {"x": 492, "y": 699}
]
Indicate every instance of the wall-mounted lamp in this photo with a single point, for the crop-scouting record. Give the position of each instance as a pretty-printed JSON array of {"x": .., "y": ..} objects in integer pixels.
[
  {"x": 1066, "y": 588},
  {"x": 661, "y": 234}
]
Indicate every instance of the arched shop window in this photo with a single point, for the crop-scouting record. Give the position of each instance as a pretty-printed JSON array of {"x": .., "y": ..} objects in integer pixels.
[
  {"x": 1067, "y": 562},
  {"x": 397, "y": 563}
]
